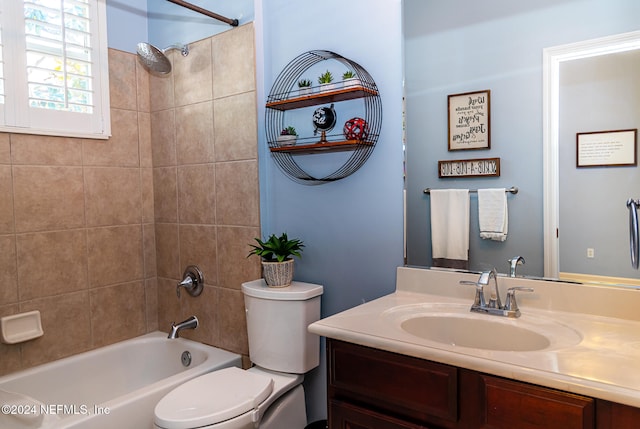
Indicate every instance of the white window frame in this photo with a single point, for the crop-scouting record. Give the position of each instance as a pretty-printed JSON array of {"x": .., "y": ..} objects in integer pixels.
[{"x": 16, "y": 116}]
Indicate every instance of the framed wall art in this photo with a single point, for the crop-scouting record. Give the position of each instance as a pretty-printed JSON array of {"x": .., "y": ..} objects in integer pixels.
[
  {"x": 607, "y": 148},
  {"x": 469, "y": 120}
]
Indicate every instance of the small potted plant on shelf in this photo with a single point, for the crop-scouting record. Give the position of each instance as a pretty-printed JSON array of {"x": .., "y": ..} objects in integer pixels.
[
  {"x": 277, "y": 258},
  {"x": 288, "y": 136},
  {"x": 304, "y": 86},
  {"x": 325, "y": 80},
  {"x": 349, "y": 79}
]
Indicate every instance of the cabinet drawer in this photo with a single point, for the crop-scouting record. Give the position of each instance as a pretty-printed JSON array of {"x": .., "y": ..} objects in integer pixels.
[
  {"x": 508, "y": 404},
  {"x": 347, "y": 416},
  {"x": 398, "y": 385}
]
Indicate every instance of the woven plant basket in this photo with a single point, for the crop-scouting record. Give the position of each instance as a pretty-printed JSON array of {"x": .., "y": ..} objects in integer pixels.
[{"x": 278, "y": 274}]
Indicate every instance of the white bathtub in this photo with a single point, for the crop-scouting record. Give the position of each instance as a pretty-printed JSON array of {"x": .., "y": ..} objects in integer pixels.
[{"x": 116, "y": 386}]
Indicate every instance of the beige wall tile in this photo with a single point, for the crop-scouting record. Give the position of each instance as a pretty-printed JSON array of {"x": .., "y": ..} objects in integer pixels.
[
  {"x": 48, "y": 198},
  {"x": 234, "y": 61},
  {"x": 149, "y": 242},
  {"x": 6, "y": 196},
  {"x": 11, "y": 353},
  {"x": 194, "y": 133},
  {"x": 8, "y": 270},
  {"x": 151, "y": 302},
  {"x": 169, "y": 308},
  {"x": 117, "y": 313},
  {"x": 196, "y": 199},
  {"x": 51, "y": 263},
  {"x": 237, "y": 193},
  {"x": 236, "y": 127},
  {"x": 161, "y": 94},
  {"x": 5, "y": 148},
  {"x": 115, "y": 254},
  {"x": 207, "y": 309},
  {"x": 234, "y": 267},
  {"x": 45, "y": 150},
  {"x": 113, "y": 196},
  {"x": 66, "y": 323},
  {"x": 146, "y": 180},
  {"x": 198, "y": 247},
  {"x": 192, "y": 74},
  {"x": 232, "y": 321},
  {"x": 168, "y": 251},
  {"x": 163, "y": 138},
  {"x": 144, "y": 139},
  {"x": 121, "y": 149},
  {"x": 122, "y": 80},
  {"x": 165, "y": 194},
  {"x": 143, "y": 89}
]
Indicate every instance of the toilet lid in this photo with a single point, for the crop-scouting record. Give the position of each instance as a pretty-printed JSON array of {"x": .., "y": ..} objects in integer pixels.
[{"x": 212, "y": 398}]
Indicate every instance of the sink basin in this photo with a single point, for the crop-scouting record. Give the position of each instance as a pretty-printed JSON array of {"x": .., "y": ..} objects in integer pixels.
[{"x": 475, "y": 333}]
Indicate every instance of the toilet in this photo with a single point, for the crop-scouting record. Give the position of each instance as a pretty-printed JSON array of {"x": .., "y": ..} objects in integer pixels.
[{"x": 268, "y": 395}]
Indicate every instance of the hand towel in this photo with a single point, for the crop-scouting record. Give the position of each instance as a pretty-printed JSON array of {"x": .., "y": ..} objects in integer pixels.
[
  {"x": 492, "y": 214},
  {"x": 450, "y": 228}
]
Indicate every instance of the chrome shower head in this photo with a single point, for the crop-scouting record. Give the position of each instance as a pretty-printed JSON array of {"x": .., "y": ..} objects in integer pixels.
[{"x": 155, "y": 60}]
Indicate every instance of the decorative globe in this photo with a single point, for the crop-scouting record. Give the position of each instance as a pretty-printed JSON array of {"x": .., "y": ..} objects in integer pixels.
[
  {"x": 324, "y": 118},
  {"x": 356, "y": 129}
]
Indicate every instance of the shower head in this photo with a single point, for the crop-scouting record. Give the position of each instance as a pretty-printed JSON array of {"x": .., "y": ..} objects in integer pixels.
[{"x": 155, "y": 60}]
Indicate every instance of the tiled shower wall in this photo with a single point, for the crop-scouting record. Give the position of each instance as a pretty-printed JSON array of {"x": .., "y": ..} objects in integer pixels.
[{"x": 96, "y": 233}]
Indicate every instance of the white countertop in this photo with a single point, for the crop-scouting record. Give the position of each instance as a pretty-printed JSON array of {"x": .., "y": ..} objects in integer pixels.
[{"x": 600, "y": 355}]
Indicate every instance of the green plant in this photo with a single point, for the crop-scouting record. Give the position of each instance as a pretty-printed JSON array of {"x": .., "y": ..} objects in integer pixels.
[
  {"x": 304, "y": 83},
  {"x": 289, "y": 131},
  {"x": 325, "y": 77},
  {"x": 277, "y": 248},
  {"x": 348, "y": 75}
]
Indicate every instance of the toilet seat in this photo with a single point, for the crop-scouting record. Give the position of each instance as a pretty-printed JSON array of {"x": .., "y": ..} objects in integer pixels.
[{"x": 212, "y": 398}]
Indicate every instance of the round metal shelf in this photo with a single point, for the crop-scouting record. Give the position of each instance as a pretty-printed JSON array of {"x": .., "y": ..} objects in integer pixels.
[{"x": 285, "y": 98}]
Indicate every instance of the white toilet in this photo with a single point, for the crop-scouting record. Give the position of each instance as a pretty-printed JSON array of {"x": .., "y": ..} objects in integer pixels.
[{"x": 270, "y": 394}]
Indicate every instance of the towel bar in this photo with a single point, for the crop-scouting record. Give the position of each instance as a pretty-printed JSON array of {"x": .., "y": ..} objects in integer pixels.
[{"x": 512, "y": 190}]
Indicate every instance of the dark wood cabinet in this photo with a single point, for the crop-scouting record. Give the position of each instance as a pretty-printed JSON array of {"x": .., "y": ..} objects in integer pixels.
[{"x": 375, "y": 389}]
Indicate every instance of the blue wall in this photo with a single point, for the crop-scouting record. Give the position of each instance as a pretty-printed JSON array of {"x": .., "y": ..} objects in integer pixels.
[
  {"x": 459, "y": 46},
  {"x": 126, "y": 24}
]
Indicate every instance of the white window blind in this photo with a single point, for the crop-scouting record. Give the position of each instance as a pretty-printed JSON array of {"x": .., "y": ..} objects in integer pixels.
[{"x": 57, "y": 80}]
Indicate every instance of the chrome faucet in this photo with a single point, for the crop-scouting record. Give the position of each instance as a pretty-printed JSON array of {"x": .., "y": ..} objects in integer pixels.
[
  {"x": 513, "y": 264},
  {"x": 494, "y": 306},
  {"x": 190, "y": 323}
]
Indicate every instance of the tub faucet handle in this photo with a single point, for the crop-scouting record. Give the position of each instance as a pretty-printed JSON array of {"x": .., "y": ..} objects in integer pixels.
[{"x": 192, "y": 281}]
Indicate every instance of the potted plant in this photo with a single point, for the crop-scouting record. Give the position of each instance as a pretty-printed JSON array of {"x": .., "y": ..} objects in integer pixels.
[
  {"x": 325, "y": 80},
  {"x": 277, "y": 258},
  {"x": 304, "y": 86},
  {"x": 349, "y": 79},
  {"x": 288, "y": 136}
]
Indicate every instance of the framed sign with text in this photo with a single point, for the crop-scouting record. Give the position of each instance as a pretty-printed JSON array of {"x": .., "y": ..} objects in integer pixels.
[
  {"x": 607, "y": 148},
  {"x": 469, "y": 120},
  {"x": 486, "y": 167}
]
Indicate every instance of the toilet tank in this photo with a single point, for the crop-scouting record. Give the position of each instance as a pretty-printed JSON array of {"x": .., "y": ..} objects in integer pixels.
[{"x": 277, "y": 321}]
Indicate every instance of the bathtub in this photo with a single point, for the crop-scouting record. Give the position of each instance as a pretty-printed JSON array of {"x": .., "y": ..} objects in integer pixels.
[{"x": 116, "y": 386}]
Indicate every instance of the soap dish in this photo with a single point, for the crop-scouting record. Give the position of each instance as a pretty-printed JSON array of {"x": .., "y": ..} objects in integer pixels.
[{"x": 21, "y": 327}]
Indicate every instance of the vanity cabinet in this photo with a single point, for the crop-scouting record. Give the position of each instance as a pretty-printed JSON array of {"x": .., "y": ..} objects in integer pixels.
[{"x": 375, "y": 389}]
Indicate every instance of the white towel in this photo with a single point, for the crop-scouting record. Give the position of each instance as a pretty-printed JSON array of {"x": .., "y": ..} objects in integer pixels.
[
  {"x": 450, "y": 224},
  {"x": 492, "y": 214}
]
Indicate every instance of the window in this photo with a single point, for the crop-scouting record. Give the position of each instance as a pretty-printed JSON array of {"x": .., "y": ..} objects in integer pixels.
[{"x": 53, "y": 67}]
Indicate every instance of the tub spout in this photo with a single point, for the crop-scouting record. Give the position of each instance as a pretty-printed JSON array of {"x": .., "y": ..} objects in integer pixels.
[{"x": 190, "y": 323}]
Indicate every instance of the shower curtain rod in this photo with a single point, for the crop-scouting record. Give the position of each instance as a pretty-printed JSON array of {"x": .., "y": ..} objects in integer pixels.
[
  {"x": 512, "y": 190},
  {"x": 232, "y": 22}
]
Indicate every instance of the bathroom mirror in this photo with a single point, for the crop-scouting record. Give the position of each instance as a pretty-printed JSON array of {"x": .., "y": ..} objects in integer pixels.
[{"x": 591, "y": 86}]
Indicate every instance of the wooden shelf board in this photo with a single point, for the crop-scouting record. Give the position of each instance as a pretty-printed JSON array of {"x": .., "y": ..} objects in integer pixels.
[
  {"x": 339, "y": 146},
  {"x": 342, "y": 94}
]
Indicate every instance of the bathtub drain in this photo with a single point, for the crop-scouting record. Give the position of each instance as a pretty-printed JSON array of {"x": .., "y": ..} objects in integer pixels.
[{"x": 186, "y": 358}]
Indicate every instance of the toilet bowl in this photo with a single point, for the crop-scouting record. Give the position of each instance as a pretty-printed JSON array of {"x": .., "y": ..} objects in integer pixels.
[{"x": 268, "y": 395}]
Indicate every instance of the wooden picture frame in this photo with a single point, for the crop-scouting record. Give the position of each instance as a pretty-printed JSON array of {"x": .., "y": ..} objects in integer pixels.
[
  {"x": 469, "y": 116},
  {"x": 607, "y": 148},
  {"x": 485, "y": 167}
]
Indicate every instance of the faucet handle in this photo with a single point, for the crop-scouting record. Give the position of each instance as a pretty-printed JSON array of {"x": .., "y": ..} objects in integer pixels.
[
  {"x": 511, "y": 304},
  {"x": 479, "y": 299}
]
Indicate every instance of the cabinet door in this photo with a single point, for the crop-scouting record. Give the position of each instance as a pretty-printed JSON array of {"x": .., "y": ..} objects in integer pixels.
[
  {"x": 616, "y": 416},
  {"x": 347, "y": 416},
  {"x": 507, "y": 404}
]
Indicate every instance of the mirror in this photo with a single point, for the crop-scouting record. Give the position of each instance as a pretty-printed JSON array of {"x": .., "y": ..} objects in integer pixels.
[{"x": 590, "y": 86}]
